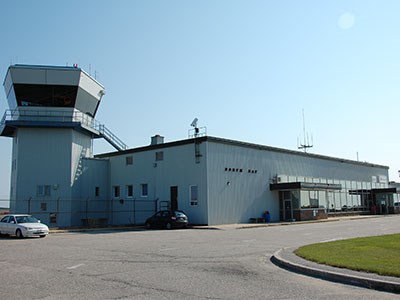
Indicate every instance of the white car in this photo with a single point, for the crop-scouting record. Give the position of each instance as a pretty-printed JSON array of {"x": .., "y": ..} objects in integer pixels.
[{"x": 22, "y": 226}]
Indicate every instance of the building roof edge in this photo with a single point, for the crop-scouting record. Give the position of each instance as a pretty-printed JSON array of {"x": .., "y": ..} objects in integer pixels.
[{"x": 236, "y": 143}]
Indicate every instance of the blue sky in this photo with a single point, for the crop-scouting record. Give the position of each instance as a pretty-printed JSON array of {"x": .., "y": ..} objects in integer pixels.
[{"x": 245, "y": 69}]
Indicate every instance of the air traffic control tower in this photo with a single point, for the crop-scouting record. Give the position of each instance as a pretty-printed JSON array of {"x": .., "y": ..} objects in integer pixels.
[{"x": 51, "y": 120}]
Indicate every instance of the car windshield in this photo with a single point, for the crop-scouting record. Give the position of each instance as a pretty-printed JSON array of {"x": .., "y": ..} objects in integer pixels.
[
  {"x": 179, "y": 214},
  {"x": 26, "y": 219}
]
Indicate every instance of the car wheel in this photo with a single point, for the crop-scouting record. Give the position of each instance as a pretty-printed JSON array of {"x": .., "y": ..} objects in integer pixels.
[
  {"x": 168, "y": 226},
  {"x": 42, "y": 236},
  {"x": 148, "y": 225},
  {"x": 19, "y": 234}
]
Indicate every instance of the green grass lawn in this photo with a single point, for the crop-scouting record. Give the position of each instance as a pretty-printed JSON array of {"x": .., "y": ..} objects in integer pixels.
[{"x": 377, "y": 254}]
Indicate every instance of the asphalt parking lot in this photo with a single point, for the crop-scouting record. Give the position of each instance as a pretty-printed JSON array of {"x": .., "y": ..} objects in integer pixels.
[{"x": 218, "y": 263}]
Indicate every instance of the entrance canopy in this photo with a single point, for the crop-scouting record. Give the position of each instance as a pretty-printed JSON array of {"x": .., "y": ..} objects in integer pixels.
[
  {"x": 300, "y": 185},
  {"x": 389, "y": 190}
]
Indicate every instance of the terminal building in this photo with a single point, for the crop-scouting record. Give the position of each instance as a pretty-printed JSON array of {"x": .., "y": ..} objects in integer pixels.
[{"x": 56, "y": 176}]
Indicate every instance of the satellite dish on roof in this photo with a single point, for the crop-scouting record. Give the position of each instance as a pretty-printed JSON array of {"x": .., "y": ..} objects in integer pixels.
[{"x": 194, "y": 122}]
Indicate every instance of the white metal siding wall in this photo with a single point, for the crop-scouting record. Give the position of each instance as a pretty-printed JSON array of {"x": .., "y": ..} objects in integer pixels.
[
  {"x": 178, "y": 168},
  {"x": 95, "y": 174},
  {"x": 247, "y": 195},
  {"x": 242, "y": 191},
  {"x": 304, "y": 165}
]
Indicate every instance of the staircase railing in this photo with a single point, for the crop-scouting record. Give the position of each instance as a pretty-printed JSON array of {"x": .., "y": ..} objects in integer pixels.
[
  {"x": 111, "y": 138},
  {"x": 49, "y": 115}
]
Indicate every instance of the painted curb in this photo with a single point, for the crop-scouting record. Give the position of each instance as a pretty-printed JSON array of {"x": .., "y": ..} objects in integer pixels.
[{"x": 380, "y": 285}]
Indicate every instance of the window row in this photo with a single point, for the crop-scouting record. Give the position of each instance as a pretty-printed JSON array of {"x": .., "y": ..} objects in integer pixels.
[
  {"x": 144, "y": 192},
  {"x": 376, "y": 182},
  {"x": 159, "y": 156},
  {"x": 330, "y": 200},
  {"x": 116, "y": 191}
]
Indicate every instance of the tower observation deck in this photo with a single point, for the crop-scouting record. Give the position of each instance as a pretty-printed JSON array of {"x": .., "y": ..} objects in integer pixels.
[{"x": 54, "y": 97}]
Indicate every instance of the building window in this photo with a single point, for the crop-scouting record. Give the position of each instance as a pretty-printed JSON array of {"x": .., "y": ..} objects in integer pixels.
[
  {"x": 53, "y": 95},
  {"x": 43, "y": 206},
  {"x": 295, "y": 199},
  {"x": 116, "y": 191},
  {"x": 53, "y": 218},
  {"x": 144, "y": 190},
  {"x": 43, "y": 190},
  {"x": 310, "y": 199},
  {"x": 194, "y": 195},
  {"x": 159, "y": 155},
  {"x": 314, "y": 199},
  {"x": 129, "y": 191},
  {"x": 97, "y": 191},
  {"x": 129, "y": 160}
]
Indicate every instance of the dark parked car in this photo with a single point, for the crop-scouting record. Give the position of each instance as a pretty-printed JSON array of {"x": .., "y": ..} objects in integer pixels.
[{"x": 167, "y": 219}]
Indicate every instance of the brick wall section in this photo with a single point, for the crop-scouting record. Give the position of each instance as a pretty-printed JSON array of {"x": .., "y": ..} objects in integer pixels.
[{"x": 310, "y": 214}]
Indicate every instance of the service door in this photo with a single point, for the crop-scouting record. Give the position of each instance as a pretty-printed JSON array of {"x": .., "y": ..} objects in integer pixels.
[
  {"x": 288, "y": 210},
  {"x": 285, "y": 205},
  {"x": 174, "y": 197}
]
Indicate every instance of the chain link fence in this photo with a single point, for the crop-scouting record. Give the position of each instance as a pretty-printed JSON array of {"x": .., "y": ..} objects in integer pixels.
[{"x": 86, "y": 212}]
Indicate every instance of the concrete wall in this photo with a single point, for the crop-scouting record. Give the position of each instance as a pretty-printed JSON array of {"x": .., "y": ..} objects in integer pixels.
[
  {"x": 48, "y": 157},
  {"x": 43, "y": 157}
]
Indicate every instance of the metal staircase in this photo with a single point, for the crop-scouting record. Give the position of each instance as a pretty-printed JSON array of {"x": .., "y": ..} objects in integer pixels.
[{"x": 111, "y": 138}]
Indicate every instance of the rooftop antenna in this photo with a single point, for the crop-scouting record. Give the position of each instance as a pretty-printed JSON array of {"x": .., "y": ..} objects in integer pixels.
[{"x": 306, "y": 144}]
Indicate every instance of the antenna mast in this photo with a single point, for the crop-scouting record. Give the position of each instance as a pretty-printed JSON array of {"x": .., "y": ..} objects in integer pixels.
[{"x": 306, "y": 143}]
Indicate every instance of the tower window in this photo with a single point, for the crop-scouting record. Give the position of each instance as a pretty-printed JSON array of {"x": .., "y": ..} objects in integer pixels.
[{"x": 45, "y": 95}]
